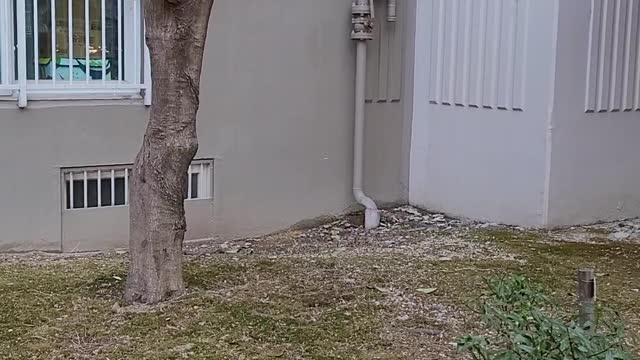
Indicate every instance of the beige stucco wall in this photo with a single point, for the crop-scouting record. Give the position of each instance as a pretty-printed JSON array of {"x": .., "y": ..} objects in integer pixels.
[{"x": 276, "y": 115}]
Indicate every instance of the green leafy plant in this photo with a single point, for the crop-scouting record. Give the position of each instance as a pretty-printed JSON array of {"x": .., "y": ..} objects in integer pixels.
[{"x": 524, "y": 323}]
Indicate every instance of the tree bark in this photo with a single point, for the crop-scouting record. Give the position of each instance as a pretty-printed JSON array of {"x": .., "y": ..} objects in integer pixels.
[{"x": 176, "y": 32}]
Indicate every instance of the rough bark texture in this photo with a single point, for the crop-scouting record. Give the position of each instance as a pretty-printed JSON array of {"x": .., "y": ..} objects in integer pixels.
[{"x": 175, "y": 34}]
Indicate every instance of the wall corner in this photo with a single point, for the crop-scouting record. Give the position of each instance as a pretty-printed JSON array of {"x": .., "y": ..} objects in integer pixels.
[
  {"x": 408, "y": 90},
  {"x": 549, "y": 128}
]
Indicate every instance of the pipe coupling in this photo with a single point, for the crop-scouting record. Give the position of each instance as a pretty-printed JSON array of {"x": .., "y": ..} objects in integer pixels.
[{"x": 362, "y": 20}]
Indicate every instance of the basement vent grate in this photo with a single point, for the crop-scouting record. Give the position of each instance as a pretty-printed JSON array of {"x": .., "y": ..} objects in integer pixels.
[{"x": 108, "y": 186}]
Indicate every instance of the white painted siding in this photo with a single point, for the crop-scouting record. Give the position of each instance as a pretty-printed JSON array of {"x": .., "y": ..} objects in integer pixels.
[
  {"x": 569, "y": 71},
  {"x": 477, "y": 53},
  {"x": 472, "y": 59},
  {"x": 613, "y": 66},
  {"x": 594, "y": 170}
]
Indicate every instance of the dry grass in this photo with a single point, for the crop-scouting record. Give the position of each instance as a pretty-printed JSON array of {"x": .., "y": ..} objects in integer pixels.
[{"x": 296, "y": 297}]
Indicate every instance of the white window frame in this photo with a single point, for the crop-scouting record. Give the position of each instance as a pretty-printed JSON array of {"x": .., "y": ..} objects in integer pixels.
[
  {"x": 202, "y": 167},
  {"x": 204, "y": 170},
  {"x": 93, "y": 173},
  {"x": 6, "y": 49},
  {"x": 134, "y": 82}
]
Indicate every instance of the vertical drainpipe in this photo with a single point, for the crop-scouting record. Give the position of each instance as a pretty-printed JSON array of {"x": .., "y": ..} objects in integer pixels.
[{"x": 362, "y": 16}]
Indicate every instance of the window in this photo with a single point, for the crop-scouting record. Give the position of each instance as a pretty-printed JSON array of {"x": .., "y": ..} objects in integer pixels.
[
  {"x": 72, "y": 49},
  {"x": 198, "y": 181},
  {"x": 92, "y": 188},
  {"x": 108, "y": 186}
]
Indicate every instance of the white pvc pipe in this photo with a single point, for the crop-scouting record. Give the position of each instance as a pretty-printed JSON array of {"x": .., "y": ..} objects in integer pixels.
[{"x": 372, "y": 214}]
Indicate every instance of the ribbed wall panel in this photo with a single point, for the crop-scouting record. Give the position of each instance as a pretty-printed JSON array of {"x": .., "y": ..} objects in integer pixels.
[
  {"x": 613, "y": 70},
  {"x": 385, "y": 56},
  {"x": 478, "y": 53}
]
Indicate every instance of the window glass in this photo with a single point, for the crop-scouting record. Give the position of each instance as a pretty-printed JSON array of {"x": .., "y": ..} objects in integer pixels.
[
  {"x": 105, "y": 187},
  {"x": 120, "y": 191},
  {"x": 71, "y": 57},
  {"x": 92, "y": 193},
  {"x": 78, "y": 194},
  {"x": 194, "y": 186}
]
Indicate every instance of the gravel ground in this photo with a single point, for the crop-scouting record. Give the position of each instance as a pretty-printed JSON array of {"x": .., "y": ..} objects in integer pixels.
[{"x": 404, "y": 230}]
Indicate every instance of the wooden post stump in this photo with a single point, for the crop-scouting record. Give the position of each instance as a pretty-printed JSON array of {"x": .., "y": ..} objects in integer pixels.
[{"x": 587, "y": 297}]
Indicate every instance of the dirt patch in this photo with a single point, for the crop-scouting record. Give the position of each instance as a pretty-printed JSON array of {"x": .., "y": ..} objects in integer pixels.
[{"x": 333, "y": 291}]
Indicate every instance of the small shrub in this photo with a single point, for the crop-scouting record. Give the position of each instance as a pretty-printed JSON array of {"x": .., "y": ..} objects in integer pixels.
[{"x": 523, "y": 323}]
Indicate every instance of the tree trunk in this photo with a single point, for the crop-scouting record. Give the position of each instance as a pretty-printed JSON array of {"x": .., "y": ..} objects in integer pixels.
[{"x": 175, "y": 34}]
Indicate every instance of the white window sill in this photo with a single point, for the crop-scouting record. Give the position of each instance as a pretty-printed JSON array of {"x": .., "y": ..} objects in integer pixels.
[
  {"x": 46, "y": 98},
  {"x": 47, "y": 104}
]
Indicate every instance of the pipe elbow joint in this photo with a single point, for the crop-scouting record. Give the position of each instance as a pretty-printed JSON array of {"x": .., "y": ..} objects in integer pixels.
[
  {"x": 364, "y": 200},
  {"x": 371, "y": 212}
]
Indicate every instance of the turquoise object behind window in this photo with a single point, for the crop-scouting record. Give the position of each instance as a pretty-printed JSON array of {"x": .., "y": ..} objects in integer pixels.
[{"x": 63, "y": 69}]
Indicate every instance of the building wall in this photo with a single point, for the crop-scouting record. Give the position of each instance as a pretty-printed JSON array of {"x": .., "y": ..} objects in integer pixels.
[
  {"x": 36, "y": 142},
  {"x": 483, "y": 79},
  {"x": 276, "y": 116},
  {"x": 594, "y": 168},
  {"x": 390, "y": 63}
]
